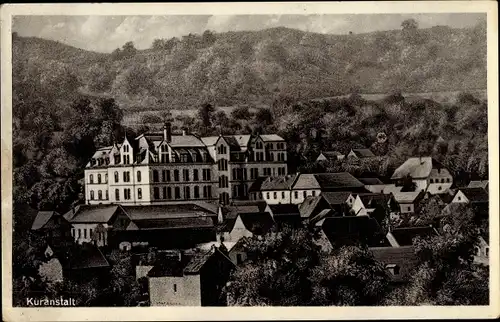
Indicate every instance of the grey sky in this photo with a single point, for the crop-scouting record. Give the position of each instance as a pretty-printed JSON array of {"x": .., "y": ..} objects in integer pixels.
[{"x": 105, "y": 33}]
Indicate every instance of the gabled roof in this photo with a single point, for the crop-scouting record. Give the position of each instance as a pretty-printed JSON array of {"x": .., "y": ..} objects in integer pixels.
[
  {"x": 241, "y": 207},
  {"x": 417, "y": 168},
  {"x": 370, "y": 181},
  {"x": 271, "y": 137},
  {"x": 284, "y": 209},
  {"x": 336, "y": 198},
  {"x": 407, "y": 197},
  {"x": 91, "y": 213},
  {"x": 187, "y": 140},
  {"x": 209, "y": 140},
  {"x": 308, "y": 205},
  {"x": 475, "y": 194},
  {"x": 325, "y": 213},
  {"x": 478, "y": 184},
  {"x": 306, "y": 181},
  {"x": 337, "y": 180},
  {"x": 371, "y": 200},
  {"x": 278, "y": 183},
  {"x": 42, "y": 218},
  {"x": 405, "y": 236},
  {"x": 363, "y": 153},
  {"x": 173, "y": 223},
  {"x": 257, "y": 223},
  {"x": 331, "y": 154}
]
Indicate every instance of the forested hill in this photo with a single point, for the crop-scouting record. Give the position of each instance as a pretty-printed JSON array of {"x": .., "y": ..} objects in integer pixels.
[{"x": 252, "y": 67}]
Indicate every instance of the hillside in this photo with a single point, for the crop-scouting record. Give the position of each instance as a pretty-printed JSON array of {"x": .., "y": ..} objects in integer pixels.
[{"x": 254, "y": 67}]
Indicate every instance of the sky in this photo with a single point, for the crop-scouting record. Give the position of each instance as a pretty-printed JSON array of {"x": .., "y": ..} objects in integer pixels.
[{"x": 105, "y": 33}]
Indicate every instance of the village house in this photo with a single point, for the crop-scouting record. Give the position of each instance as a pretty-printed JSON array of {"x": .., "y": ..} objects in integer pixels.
[
  {"x": 278, "y": 190},
  {"x": 312, "y": 206},
  {"x": 374, "y": 185},
  {"x": 165, "y": 168},
  {"x": 315, "y": 184},
  {"x": 340, "y": 202},
  {"x": 330, "y": 156},
  {"x": 360, "y": 154},
  {"x": 478, "y": 184},
  {"x": 250, "y": 224},
  {"x": 471, "y": 196},
  {"x": 190, "y": 279},
  {"x": 352, "y": 230},
  {"x": 426, "y": 173},
  {"x": 52, "y": 225},
  {"x": 408, "y": 201},
  {"x": 230, "y": 215},
  {"x": 285, "y": 215}
]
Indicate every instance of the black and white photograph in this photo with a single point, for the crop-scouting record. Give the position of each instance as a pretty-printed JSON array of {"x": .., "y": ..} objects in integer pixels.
[{"x": 251, "y": 160}]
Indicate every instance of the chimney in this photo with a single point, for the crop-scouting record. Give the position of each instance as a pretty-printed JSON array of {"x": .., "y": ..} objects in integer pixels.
[{"x": 167, "y": 132}]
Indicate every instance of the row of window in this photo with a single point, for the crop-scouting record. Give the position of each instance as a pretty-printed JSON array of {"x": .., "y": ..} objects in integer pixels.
[
  {"x": 269, "y": 171},
  {"x": 99, "y": 195},
  {"x": 82, "y": 233},
  {"x": 99, "y": 178},
  {"x": 166, "y": 177},
  {"x": 167, "y": 193},
  {"x": 442, "y": 180}
]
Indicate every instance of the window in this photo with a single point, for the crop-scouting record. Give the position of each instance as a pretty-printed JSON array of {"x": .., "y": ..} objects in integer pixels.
[
  {"x": 126, "y": 176},
  {"x": 222, "y": 149},
  {"x": 91, "y": 178},
  {"x": 91, "y": 194},
  {"x": 448, "y": 180},
  {"x": 90, "y": 233},
  {"x": 195, "y": 175},
  {"x": 99, "y": 195},
  {"x": 187, "y": 193},
  {"x": 139, "y": 176},
  {"x": 126, "y": 194},
  {"x": 116, "y": 176},
  {"x": 169, "y": 193},
  {"x": 223, "y": 182},
  {"x": 155, "y": 176},
  {"x": 79, "y": 233},
  {"x": 85, "y": 233},
  {"x": 394, "y": 269},
  {"x": 185, "y": 174},
  {"x": 196, "y": 192},
  {"x": 107, "y": 195},
  {"x": 439, "y": 188},
  {"x": 314, "y": 193},
  {"x": 106, "y": 178},
  {"x": 268, "y": 195},
  {"x": 164, "y": 193},
  {"x": 139, "y": 193},
  {"x": 125, "y": 148},
  {"x": 175, "y": 288},
  {"x": 207, "y": 192},
  {"x": 156, "y": 193},
  {"x": 282, "y": 195},
  {"x": 177, "y": 192},
  {"x": 305, "y": 194},
  {"x": 206, "y": 175},
  {"x": 442, "y": 180},
  {"x": 99, "y": 178},
  {"x": 222, "y": 163},
  {"x": 117, "y": 194},
  {"x": 409, "y": 208},
  {"x": 166, "y": 175},
  {"x": 176, "y": 175},
  {"x": 184, "y": 157},
  {"x": 73, "y": 232},
  {"x": 126, "y": 159},
  {"x": 459, "y": 198},
  {"x": 431, "y": 181},
  {"x": 275, "y": 195},
  {"x": 296, "y": 194}
]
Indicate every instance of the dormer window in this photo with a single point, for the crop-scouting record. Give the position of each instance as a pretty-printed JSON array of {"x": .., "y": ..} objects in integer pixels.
[
  {"x": 222, "y": 149},
  {"x": 184, "y": 157}
]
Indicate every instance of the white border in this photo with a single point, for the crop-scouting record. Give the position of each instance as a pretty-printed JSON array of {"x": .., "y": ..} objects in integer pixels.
[{"x": 232, "y": 313}]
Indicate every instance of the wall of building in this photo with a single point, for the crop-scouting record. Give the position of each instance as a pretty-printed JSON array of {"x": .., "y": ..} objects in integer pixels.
[
  {"x": 82, "y": 233},
  {"x": 95, "y": 186},
  {"x": 421, "y": 184},
  {"x": 406, "y": 208},
  {"x": 460, "y": 198},
  {"x": 298, "y": 196},
  {"x": 175, "y": 291},
  {"x": 142, "y": 270},
  {"x": 277, "y": 197}
]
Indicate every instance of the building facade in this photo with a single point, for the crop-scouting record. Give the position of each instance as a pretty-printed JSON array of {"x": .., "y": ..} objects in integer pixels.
[{"x": 165, "y": 168}]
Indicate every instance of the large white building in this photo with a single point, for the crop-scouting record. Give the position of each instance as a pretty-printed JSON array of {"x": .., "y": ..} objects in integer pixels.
[{"x": 161, "y": 167}]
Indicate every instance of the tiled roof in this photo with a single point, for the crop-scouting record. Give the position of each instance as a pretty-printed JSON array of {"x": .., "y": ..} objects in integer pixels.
[
  {"x": 336, "y": 198},
  {"x": 197, "y": 261},
  {"x": 42, "y": 218},
  {"x": 271, "y": 137},
  {"x": 306, "y": 181},
  {"x": 370, "y": 200},
  {"x": 284, "y": 209},
  {"x": 167, "y": 211},
  {"x": 278, "y": 183},
  {"x": 174, "y": 223},
  {"x": 417, "y": 168},
  {"x": 187, "y": 140},
  {"x": 240, "y": 207},
  {"x": 406, "y": 197},
  {"x": 370, "y": 181},
  {"x": 308, "y": 205},
  {"x": 337, "y": 180},
  {"x": 405, "y": 236},
  {"x": 91, "y": 214},
  {"x": 257, "y": 223},
  {"x": 478, "y": 184},
  {"x": 363, "y": 153},
  {"x": 325, "y": 213},
  {"x": 475, "y": 194}
]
